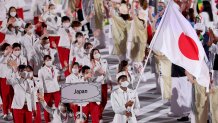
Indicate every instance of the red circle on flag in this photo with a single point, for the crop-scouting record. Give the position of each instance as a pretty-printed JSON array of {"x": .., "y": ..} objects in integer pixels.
[{"x": 188, "y": 47}]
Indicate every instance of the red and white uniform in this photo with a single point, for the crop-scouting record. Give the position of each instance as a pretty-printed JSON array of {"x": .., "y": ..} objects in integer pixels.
[
  {"x": 49, "y": 77},
  {"x": 23, "y": 102},
  {"x": 40, "y": 53}
]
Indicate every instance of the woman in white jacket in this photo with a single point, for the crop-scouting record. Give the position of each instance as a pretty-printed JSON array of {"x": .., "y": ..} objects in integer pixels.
[{"x": 124, "y": 102}]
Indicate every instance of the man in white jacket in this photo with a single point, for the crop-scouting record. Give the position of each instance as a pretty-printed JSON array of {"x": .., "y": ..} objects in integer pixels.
[
  {"x": 23, "y": 102},
  {"x": 124, "y": 102}
]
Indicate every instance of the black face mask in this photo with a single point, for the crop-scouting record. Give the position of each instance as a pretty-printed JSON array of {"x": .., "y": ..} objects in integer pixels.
[{"x": 125, "y": 16}]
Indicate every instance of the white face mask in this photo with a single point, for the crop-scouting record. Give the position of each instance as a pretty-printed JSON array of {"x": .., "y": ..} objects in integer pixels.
[
  {"x": 24, "y": 74},
  {"x": 66, "y": 25},
  {"x": 30, "y": 75},
  {"x": 48, "y": 63},
  {"x": 97, "y": 56},
  {"x": 53, "y": 11},
  {"x": 124, "y": 84},
  {"x": 75, "y": 71},
  {"x": 31, "y": 30},
  {"x": 13, "y": 14},
  {"x": 17, "y": 53},
  {"x": 47, "y": 46}
]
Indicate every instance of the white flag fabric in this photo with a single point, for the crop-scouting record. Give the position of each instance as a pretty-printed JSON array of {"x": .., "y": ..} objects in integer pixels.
[{"x": 178, "y": 41}]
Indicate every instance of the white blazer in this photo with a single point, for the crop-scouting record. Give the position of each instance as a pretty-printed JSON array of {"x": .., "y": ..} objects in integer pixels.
[
  {"x": 12, "y": 38},
  {"x": 5, "y": 70},
  {"x": 58, "y": 117},
  {"x": 104, "y": 65},
  {"x": 27, "y": 42},
  {"x": 118, "y": 102},
  {"x": 64, "y": 38},
  {"x": 49, "y": 79},
  {"x": 23, "y": 92},
  {"x": 38, "y": 88},
  {"x": 77, "y": 53},
  {"x": 52, "y": 24},
  {"x": 40, "y": 53},
  {"x": 21, "y": 60},
  {"x": 72, "y": 78}
]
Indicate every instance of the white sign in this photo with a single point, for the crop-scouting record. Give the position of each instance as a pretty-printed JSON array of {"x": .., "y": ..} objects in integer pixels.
[{"x": 80, "y": 92}]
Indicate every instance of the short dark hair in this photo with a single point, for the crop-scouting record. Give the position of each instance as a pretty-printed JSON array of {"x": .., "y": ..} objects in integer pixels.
[
  {"x": 50, "y": 5},
  {"x": 75, "y": 63},
  {"x": 30, "y": 67},
  {"x": 16, "y": 45},
  {"x": 76, "y": 24},
  {"x": 4, "y": 46},
  {"x": 65, "y": 18},
  {"x": 79, "y": 34},
  {"x": 122, "y": 65},
  {"x": 27, "y": 25},
  {"x": 86, "y": 45},
  {"x": 84, "y": 68},
  {"x": 46, "y": 57},
  {"x": 21, "y": 68},
  {"x": 121, "y": 77}
]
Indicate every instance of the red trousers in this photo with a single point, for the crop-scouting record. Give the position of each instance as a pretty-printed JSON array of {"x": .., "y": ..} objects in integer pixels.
[
  {"x": 56, "y": 39},
  {"x": 2, "y": 37},
  {"x": 103, "y": 98},
  {"x": 22, "y": 115},
  {"x": 20, "y": 13},
  {"x": 92, "y": 108},
  {"x": 37, "y": 117},
  {"x": 49, "y": 99},
  {"x": 6, "y": 94},
  {"x": 63, "y": 54}
]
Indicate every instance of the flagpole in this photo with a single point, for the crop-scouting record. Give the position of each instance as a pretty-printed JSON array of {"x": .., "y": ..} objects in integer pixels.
[{"x": 151, "y": 46}]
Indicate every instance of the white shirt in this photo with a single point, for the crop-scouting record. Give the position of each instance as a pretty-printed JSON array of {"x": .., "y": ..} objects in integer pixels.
[
  {"x": 49, "y": 79},
  {"x": 23, "y": 92},
  {"x": 72, "y": 78},
  {"x": 64, "y": 38},
  {"x": 27, "y": 43},
  {"x": 104, "y": 65},
  {"x": 118, "y": 100},
  {"x": 21, "y": 60},
  {"x": 76, "y": 52},
  {"x": 58, "y": 117},
  {"x": 52, "y": 25},
  {"x": 41, "y": 52}
]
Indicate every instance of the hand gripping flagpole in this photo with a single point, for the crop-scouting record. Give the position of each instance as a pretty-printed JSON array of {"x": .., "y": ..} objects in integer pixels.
[{"x": 151, "y": 47}]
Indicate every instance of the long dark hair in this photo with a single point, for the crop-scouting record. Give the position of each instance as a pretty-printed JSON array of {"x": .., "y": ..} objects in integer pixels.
[
  {"x": 92, "y": 53},
  {"x": 207, "y": 8},
  {"x": 12, "y": 7}
]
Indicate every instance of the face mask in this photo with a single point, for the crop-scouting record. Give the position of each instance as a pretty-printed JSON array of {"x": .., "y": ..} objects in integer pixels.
[
  {"x": 66, "y": 25},
  {"x": 75, "y": 71},
  {"x": 13, "y": 14},
  {"x": 52, "y": 11},
  {"x": 24, "y": 74},
  {"x": 79, "y": 29},
  {"x": 17, "y": 53},
  {"x": 31, "y": 30},
  {"x": 30, "y": 75},
  {"x": 47, "y": 46},
  {"x": 48, "y": 63},
  {"x": 97, "y": 56},
  {"x": 124, "y": 84}
]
